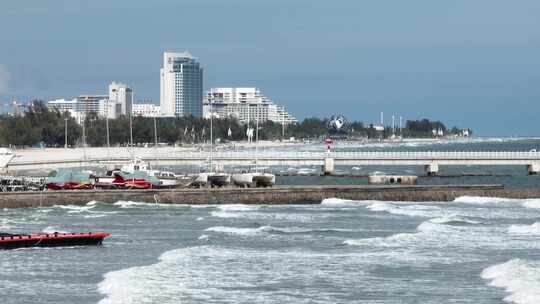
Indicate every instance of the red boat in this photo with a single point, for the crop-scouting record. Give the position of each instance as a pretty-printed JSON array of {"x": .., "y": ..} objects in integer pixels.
[
  {"x": 119, "y": 182},
  {"x": 13, "y": 241}
]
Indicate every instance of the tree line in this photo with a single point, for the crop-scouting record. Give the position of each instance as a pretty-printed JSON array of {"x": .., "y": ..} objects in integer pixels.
[{"x": 41, "y": 126}]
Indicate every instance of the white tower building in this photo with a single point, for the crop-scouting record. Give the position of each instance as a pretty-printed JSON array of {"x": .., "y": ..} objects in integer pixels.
[
  {"x": 120, "y": 100},
  {"x": 181, "y": 81}
]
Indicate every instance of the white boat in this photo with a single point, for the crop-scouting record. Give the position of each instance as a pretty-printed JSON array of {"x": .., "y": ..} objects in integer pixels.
[
  {"x": 258, "y": 178},
  {"x": 254, "y": 179},
  {"x": 167, "y": 178},
  {"x": 6, "y": 155},
  {"x": 212, "y": 179}
]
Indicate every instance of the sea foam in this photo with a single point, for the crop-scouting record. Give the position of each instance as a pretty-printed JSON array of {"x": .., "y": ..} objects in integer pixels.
[
  {"x": 520, "y": 278},
  {"x": 408, "y": 210},
  {"x": 480, "y": 200},
  {"x": 533, "y": 229},
  {"x": 337, "y": 202}
]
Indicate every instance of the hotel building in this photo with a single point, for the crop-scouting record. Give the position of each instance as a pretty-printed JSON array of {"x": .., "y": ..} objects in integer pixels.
[
  {"x": 244, "y": 104},
  {"x": 181, "y": 82}
]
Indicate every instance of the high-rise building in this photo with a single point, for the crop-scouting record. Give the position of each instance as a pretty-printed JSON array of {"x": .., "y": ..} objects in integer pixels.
[
  {"x": 181, "y": 80},
  {"x": 121, "y": 99},
  {"x": 244, "y": 104}
]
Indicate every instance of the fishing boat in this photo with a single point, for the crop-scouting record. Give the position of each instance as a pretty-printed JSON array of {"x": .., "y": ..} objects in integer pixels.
[
  {"x": 167, "y": 179},
  {"x": 69, "y": 180},
  {"x": 13, "y": 241},
  {"x": 125, "y": 180}
]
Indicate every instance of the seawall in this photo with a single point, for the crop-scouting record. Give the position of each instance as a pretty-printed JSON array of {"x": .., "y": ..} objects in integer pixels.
[{"x": 275, "y": 195}]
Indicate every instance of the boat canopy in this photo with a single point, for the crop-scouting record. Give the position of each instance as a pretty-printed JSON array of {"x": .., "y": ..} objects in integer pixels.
[
  {"x": 63, "y": 176},
  {"x": 140, "y": 175}
]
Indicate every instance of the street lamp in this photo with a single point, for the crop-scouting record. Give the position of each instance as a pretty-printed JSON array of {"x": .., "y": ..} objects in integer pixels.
[{"x": 65, "y": 133}]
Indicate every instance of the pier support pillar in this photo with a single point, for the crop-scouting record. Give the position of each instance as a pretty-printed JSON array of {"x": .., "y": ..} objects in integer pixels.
[
  {"x": 432, "y": 169},
  {"x": 534, "y": 168},
  {"x": 328, "y": 167}
]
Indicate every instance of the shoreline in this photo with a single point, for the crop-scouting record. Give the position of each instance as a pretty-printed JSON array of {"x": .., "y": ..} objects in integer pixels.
[{"x": 275, "y": 195}]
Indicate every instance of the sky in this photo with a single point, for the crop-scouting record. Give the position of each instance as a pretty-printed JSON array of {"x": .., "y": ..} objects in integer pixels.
[{"x": 468, "y": 63}]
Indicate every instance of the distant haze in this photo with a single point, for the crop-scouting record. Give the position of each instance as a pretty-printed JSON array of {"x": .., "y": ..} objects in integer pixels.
[{"x": 468, "y": 63}]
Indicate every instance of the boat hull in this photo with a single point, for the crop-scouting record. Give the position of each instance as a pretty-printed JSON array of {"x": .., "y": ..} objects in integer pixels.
[{"x": 52, "y": 240}]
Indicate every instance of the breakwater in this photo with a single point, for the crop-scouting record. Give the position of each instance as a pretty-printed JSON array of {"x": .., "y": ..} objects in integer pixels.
[{"x": 275, "y": 195}]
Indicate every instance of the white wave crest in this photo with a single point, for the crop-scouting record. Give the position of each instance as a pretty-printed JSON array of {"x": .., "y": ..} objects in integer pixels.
[
  {"x": 454, "y": 220},
  {"x": 520, "y": 278},
  {"x": 410, "y": 210},
  {"x": 238, "y": 207},
  {"x": 271, "y": 229},
  {"x": 532, "y": 203},
  {"x": 533, "y": 229},
  {"x": 4, "y": 224},
  {"x": 395, "y": 240},
  {"x": 338, "y": 202},
  {"x": 53, "y": 229},
  {"x": 480, "y": 200},
  {"x": 74, "y": 208},
  {"x": 239, "y": 231},
  {"x": 130, "y": 204},
  {"x": 223, "y": 214}
]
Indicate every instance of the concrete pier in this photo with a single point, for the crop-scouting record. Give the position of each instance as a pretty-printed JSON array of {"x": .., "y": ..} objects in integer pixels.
[{"x": 274, "y": 195}]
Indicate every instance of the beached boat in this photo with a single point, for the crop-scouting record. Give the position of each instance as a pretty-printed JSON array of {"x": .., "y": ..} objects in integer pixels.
[
  {"x": 168, "y": 179},
  {"x": 13, "y": 241},
  {"x": 70, "y": 180},
  {"x": 254, "y": 179},
  {"x": 211, "y": 179}
]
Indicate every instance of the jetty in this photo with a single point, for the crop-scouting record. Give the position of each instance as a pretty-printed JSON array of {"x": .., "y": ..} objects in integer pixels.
[
  {"x": 327, "y": 161},
  {"x": 311, "y": 194}
]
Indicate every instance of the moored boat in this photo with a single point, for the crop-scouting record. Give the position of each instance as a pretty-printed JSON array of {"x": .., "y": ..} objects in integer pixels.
[
  {"x": 13, "y": 241},
  {"x": 254, "y": 179}
]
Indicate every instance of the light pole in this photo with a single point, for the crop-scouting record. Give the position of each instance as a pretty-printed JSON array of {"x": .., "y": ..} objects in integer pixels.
[
  {"x": 155, "y": 131},
  {"x": 211, "y": 137},
  {"x": 107, "y": 126},
  {"x": 131, "y": 134},
  {"x": 65, "y": 133},
  {"x": 84, "y": 136}
]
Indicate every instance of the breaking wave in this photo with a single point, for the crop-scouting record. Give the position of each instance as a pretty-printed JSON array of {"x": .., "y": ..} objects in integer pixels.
[
  {"x": 394, "y": 240},
  {"x": 533, "y": 203},
  {"x": 480, "y": 200},
  {"x": 409, "y": 210},
  {"x": 131, "y": 204},
  {"x": 53, "y": 229},
  {"x": 237, "y": 207},
  {"x": 520, "y": 278},
  {"x": 272, "y": 230},
  {"x": 338, "y": 202},
  {"x": 533, "y": 229},
  {"x": 238, "y": 231},
  {"x": 74, "y": 208},
  {"x": 454, "y": 220}
]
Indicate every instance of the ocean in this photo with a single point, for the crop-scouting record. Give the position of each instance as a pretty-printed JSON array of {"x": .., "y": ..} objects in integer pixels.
[{"x": 471, "y": 250}]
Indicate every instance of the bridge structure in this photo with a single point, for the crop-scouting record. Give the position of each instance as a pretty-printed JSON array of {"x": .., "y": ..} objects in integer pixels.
[{"x": 431, "y": 161}]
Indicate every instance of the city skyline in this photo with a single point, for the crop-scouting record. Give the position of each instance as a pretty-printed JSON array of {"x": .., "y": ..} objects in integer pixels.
[{"x": 467, "y": 64}]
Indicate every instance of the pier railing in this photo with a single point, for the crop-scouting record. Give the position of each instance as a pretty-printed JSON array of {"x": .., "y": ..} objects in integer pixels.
[{"x": 247, "y": 157}]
